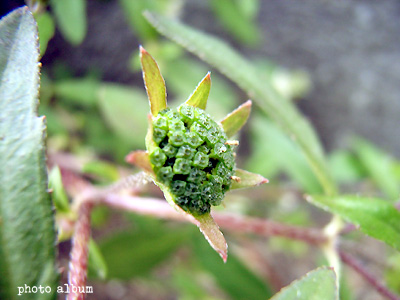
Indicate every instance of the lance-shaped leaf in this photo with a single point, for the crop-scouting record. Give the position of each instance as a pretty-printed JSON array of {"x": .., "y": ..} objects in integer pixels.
[
  {"x": 199, "y": 96},
  {"x": 154, "y": 82},
  {"x": 213, "y": 235},
  {"x": 233, "y": 122},
  {"x": 140, "y": 158},
  {"x": 244, "y": 179},
  {"x": 27, "y": 237},
  {"x": 315, "y": 285},
  {"x": 206, "y": 224},
  {"x": 376, "y": 217}
]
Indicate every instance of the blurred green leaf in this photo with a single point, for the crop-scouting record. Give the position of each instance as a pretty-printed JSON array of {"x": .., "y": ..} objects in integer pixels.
[
  {"x": 27, "y": 236},
  {"x": 71, "y": 19},
  {"x": 376, "y": 217},
  {"x": 107, "y": 171},
  {"x": 233, "y": 276},
  {"x": 58, "y": 193},
  {"x": 345, "y": 167},
  {"x": 130, "y": 254},
  {"x": 82, "y": 92},
  {"x": 187, "y": 286},
  {"x": 125, "y": 111},
  {"x": 379, "y": 167},
  {"x": 97, "y": 266},
  {"x": 236, "y": 22},
  {"x": 315, "y": 285},
  {"x": 133, "y": 13},
  {"x": 46, "y": 30},
  {"x": 246, "y": 76},
  {"x": 274, "y": 151},
  {"x": 249, "y": 8}
]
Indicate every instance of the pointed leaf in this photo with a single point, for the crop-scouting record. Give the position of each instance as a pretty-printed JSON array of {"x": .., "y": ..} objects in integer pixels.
[
  {"x": 200, "y": 95},
  {"x": 213, "y": 235},
  {"x": 58, "y": 194},
  {"x": 154, "y": 82},
  {"x": 27, "y": 236},
  {"x": 97, "y": 266},
  {"x": 141, "y": 159},
  {"x": 315, "y": 285},
  {"x": 233, "y": 122},
  {"x": 247, "y": 179},
  {"x": 376, "y": 217},
  {"x": 205, "y": 222},
  {"x": 246, "y": 76}
]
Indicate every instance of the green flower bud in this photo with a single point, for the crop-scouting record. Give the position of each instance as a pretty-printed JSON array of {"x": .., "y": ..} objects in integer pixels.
[{"x": 191, "y": 158}]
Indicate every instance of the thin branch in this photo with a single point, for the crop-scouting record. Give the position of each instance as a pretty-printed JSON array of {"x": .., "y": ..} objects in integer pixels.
[
  {"x": 79, "y": 253},
  {"x": 360, "y": 269},
  {"x": 161, "y": 209}
]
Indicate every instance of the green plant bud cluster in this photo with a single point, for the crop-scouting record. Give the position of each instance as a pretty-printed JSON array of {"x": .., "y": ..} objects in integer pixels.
[{"x": 191, "y": 157}]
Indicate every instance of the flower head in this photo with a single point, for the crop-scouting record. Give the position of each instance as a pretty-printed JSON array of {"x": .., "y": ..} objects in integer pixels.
[{"x": 189, "y": 155}]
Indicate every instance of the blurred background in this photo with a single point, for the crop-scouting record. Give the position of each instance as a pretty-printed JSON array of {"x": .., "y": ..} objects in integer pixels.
[{"x": 338, "y": 60}]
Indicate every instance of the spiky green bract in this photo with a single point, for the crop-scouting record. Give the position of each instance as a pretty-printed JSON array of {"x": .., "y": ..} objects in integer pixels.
[{"x": 189, "y": 155}]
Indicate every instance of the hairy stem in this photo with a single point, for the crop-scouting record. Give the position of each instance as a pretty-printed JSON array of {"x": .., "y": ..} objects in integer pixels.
[{"x": 79, "y": 253}]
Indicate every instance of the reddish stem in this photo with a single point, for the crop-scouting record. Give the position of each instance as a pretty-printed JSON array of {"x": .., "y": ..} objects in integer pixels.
[
  {"x": 360, "y": 269},
  {"x": 79, "y": 253},
  {"x": 161, "y": 209}
]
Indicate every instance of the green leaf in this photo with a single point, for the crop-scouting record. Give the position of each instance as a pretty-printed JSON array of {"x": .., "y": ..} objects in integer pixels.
[
  {"x": 376, "y": 217},
  {"x": 130, "y": 254},
  {"x": 125, "y": 111},
  {"x": 233, "y": 122},
  {"x": 273, "y": 152},
  {"x": 213, "y": 235},
  {"x": 71, "y": 19},
  {"x": 315, "y": 285},
  {"x": 247, "y": 180},
  {"x": 58, "y": 193},
  {"x": 46, "y": 30},
  {"x": 154, "y": 83},
  {"x": 233, "y": 276},
  {"x": 97, "y": 266},
  {"x": 104, "y": 170},
  {"x": 246, "y": 76},
  {"x": 200, "y": 95},
  {"x": 133, "y": 13},
  {"x": 236, "y": 22},
  {"x": 205, "y": 223},
  {"x": 345, "y": 166},
  {"x": 27, "y": 236},
  {"x": 379, "y": 166},
  {"x": 82, "y": 92}
]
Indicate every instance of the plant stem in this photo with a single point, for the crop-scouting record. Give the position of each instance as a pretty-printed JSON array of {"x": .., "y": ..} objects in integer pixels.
[
  {"x": 161, "y": 209},
  {"x": 79, "y": 253},
  {"x": 360, "y": 269}
]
